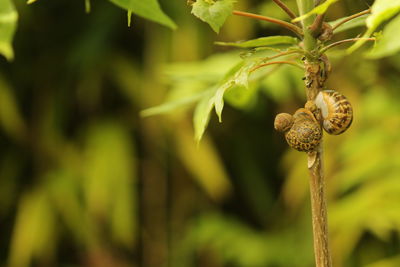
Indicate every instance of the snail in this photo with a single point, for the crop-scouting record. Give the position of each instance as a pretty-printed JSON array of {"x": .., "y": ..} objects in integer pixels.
[
  {"x": 302, "y": 131},
  {"x": 336, "y": 111}
]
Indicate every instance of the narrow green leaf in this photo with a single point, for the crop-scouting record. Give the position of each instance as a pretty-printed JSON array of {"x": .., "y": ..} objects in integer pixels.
[
  {"x": 321, "y": 9},
  {"x": 213, "y": 12},
  {"x": 8, "y": 25},
  {"x": 201, "y": 115},
  {"x": 31, "y": 2},
  {"x": 172, "y": 105},
  {"x": 149, "y": 9},
  {"x": 354, "y": 23},
  {"x": 226, "y": 83},
  {"x": 389, "y": 43},
  {"x": 87, "y": 6},
  {"x": 238, "y": 76},
  {"x": 381, "y": 11},
  {"x": 129, "y": 14},
  {"x": 263, "y": 41},
  {"x": 11, "y": 119},
  {"x": 219, "y": 99}
]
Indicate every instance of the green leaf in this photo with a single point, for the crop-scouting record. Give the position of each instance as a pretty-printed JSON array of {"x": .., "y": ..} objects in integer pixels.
[
  {"x": 354, "y": 23},
  {"x": 87, "y": 6},
  {"x": 213, "y": 12},
  {"x": 109, "y": 188},
  {"x": 263, "y": 41},
  {"x": 219, "y": 99},
  {"x": 381, "y": 11},
  {"x": 237, "y": 76},
  {"x": 8, "y": 25},
  {"x": 171, "y": 105},
  {"x": 129, "y": 15},
  {"x": 321, "y": 9},
  {"x": 201, "y": 115},
  {"x": 149, "y": 9},
  {"x": 11, "y": 119},
  {"x": 389, "y": 43},
  {"x": 35, "y": 228}
]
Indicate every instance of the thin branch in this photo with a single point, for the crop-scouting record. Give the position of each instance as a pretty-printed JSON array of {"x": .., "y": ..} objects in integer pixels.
[
  {"x": 351, "y": 18},
  {"x": 316, "y": 27},
  {"x": 314, "y": 84},
  {"x": 285, "y": 8},
  {"x": 287, "y": 25},
  {"x": 318, "y": 208},
  {"x": 323, "y": 50},
  {"x": 285, "y": 53},
  {"x": 276, "y": 62}
]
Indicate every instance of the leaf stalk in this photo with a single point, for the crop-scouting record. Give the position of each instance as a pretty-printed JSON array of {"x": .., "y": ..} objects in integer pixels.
[
  {"x": 285, "y": 8},
  {"x": 324, "y": 49},
  {"x": 277, "y": 62},
  {"x": 351, "y": 18},
  {"x": 290, "y": 26}
]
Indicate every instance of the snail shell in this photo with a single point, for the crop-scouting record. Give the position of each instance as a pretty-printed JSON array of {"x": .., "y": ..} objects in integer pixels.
[
  {"x": 302, "y": 131},
  {"x": 283, "y": 122},
  {"x": 336, "y": 110}
]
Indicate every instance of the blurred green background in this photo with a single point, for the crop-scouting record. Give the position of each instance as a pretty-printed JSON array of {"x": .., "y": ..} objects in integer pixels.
[{"x": 85, "y": 181}]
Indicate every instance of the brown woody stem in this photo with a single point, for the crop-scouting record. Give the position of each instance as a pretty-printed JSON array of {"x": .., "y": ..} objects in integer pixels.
[
  {"x": 315, "y": 79},
  {"x": 287, "y": 25},
  {"x": 350, "y": 18},
  {"x": 315, "y": 83},
  {"x": 343, "y": 42},
  {"x": 285, "y": 8},
  {"x": 316, "y": 27}
]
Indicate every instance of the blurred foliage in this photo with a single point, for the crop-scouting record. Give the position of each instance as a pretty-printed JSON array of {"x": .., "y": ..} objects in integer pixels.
[
  {"x": 85, "y": 181},
  {"x": 8, "y": 23}
]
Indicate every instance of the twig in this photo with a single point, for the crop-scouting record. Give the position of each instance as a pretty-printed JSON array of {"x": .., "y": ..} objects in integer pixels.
[
  {"x": 284, "y": 53},
  {"x": 285, "y": 8},
  {"x": 318, "y": 208},
  {"x": 344, "y": 41},
  {"x": 316, "y": 27},
  {"x": 316, "y": 80},
  {"x": 287, "y": 25},
  {"x": 351, "y": 17},
  {"x": 276, "y": 62},
  {"x": 314, "y": 84}
]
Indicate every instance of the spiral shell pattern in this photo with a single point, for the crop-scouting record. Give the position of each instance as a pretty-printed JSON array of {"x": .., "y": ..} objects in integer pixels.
[
  {"x": 305, "y": 133},
  {"x": 336, "y": 110},
  {"x": 283, "y": 122}
]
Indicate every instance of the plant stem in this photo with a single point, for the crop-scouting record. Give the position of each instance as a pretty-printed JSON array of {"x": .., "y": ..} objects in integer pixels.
[
  {"x": 316, "y": 27},
  {"x": 323, "y": 50},
  {"x": 285, "y": 53},
  {"x": 279, "y": 22},
  {"x": 315, "y": 80},
  {"x": 277, "y": 62},
  {"x": 350, "y": 18},
  {"x": 310, "y": 42},
  {"x": 285, "y": 8}
]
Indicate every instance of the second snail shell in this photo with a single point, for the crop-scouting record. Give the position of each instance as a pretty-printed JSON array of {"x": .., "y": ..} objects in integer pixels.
[
  {"x": 336, "y": 110},
  {"x": 302, "y": 131}
]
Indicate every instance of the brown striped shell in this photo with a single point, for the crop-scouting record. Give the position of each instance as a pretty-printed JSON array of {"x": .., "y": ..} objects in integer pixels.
[
  {"x": 336, "y": 111},
  {"x": 304, "y": 133},
  {"x": 283, "y": 122}
]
